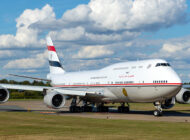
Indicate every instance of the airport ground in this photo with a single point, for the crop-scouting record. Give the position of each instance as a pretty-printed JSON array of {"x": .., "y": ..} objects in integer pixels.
[{"x": 31, "y": 119}]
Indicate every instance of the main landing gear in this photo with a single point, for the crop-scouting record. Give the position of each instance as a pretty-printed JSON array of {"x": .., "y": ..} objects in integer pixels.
[
  {"x": 102, "y": 108},
  {"x": 86, "y": 107},
  {"x": 76, "y": 109},
  {"x": 123, "y": 108},
  {"x": 158, "y": 111}
]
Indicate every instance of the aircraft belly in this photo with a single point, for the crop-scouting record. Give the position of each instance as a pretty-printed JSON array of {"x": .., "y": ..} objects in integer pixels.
[{"x": 144, "y": 94}]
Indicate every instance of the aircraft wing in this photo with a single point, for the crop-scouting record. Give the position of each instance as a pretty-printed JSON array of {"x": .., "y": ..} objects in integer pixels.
[
  {"x": 24, "y": 87},
  {"x": 42, "y": 88}
]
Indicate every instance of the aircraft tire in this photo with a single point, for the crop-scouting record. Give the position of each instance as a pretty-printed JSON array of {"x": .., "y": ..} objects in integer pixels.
[
  {"x": 123, "y": 109},
  {"x": 75, "y": 109},
  {"x": 157, "y": 113},
  {"x": 102, "y": 109},
  {"x": 86, "y": 109}
]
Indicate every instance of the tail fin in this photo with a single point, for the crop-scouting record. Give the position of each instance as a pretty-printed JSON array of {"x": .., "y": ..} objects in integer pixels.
[{"x": 54, "y": 63}]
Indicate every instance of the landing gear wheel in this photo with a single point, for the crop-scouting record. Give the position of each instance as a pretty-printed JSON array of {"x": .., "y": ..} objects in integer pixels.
[
  {"x": 126, "y": 109},
  {"x": 86, "y": 108},
  {"x": 102, "y": 109},
  {"x": 75, "y": 109},
  {"x": 157, "y": 113},
  {"x": 123, "y": 109}
]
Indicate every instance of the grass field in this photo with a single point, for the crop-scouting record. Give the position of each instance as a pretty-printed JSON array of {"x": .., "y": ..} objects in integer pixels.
[{"x": 31, "y": 125}]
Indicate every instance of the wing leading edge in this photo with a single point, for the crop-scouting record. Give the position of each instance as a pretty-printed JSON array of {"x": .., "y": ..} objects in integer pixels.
[{"x": 42, "y": 88}]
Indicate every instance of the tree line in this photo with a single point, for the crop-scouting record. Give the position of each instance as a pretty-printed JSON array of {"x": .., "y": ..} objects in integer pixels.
[{"x": 20, "y": 94}]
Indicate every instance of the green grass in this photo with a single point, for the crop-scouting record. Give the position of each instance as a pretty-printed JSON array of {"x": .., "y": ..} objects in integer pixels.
[{"x": 31, "y": 125}]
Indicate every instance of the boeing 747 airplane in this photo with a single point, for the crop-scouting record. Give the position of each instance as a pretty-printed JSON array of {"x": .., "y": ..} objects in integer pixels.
[{"x": 148, "y": 81}]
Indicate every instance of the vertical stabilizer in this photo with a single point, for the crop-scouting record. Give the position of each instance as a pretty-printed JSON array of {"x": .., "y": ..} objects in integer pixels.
[{"x": 54, "y": 63}]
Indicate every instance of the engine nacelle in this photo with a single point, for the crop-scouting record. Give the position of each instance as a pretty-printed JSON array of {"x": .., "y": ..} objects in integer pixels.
[
  {"x": 183, "y": 96},
  {"x": 169, "y": 103},
  {"x": 4, "y": 95},
  {"x": 54, "y": 99}
]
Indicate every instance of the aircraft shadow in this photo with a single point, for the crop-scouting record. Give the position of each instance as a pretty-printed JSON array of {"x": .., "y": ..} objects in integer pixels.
[
  {"x": 165, "y": 113},
  {"x": 177, "y": 113}
]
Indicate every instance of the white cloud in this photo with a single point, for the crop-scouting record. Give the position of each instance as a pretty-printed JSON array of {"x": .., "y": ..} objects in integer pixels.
[
  {"x": 78, "y": 14},
  {"x": 154, "y": 14},
  {"x": 26, "y": 36},
  {"x": 128, "y": 14},
  {"x": 105, "y": 21},
  {"x": 98, "y": 21},
  {"x": 37, "y": 61},
  {"x": 31, "y": 16},
  {"x": 176, "y": 49},
  {"x": 68, "y": 34},
  {"x": 93, "y": 52},
  {"x": 170, "y": 48}
]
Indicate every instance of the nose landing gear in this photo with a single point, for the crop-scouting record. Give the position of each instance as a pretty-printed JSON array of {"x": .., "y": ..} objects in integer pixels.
[{"x": 158, "y": 111}]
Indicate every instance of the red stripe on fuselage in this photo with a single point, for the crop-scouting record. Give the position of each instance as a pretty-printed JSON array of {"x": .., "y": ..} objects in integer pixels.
[
  {"x": 135, "y": 84},
  {"x": 51, "y": 48}
]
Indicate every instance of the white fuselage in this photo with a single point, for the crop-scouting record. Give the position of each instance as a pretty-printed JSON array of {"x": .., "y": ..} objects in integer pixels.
[{"x": 136, "y": 81}]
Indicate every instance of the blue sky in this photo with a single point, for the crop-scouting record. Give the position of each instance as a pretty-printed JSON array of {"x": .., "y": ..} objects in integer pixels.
[
  {"x": 9, "y": 12},
  {"x": 90, "y": 34}
]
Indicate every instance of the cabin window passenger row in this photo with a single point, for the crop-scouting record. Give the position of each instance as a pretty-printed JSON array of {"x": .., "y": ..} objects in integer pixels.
[
  {"x": 160, "y": 81},
  {"x": 124, "y": 82},
  {"x": 122, "y": 68}
]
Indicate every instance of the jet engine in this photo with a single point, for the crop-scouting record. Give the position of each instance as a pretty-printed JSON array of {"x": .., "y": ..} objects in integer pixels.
[
  {"x": 54, "y": 99},
  {"x": 183, "y": 96},
  {"x": 4, "y": 95},
  {"x": 169, "y": 103}
]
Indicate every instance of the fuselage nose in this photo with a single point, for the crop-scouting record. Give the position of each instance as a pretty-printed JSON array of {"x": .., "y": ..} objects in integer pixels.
[
  {"x": 172, "y": 82},
  {"x": 175, "y": 82},
  {"x": 173, "y": 76}
]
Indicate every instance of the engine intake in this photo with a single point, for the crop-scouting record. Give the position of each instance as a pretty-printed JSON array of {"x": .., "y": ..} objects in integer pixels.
[
  {"x": 54, "y": 99},
  {"x": 183, "y": 96},
  {"x": 4, "y": 95}
]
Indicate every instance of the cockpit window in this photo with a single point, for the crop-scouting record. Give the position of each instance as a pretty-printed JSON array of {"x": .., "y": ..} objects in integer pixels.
[{"x": 163, "y": 64}]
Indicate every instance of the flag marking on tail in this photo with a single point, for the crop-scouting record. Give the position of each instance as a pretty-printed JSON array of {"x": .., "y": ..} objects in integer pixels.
[
  {"x": 51, "y": 48},
  {"x": 55, "y": 64}
]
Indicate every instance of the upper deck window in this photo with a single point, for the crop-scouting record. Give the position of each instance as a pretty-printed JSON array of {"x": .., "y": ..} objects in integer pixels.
[{"x": 163, "y": 64}]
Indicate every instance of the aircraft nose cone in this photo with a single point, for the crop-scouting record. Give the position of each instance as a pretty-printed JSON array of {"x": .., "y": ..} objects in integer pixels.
[
  {"x": 174, "y": 77},
  {"x": 177, "y": 79}
]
